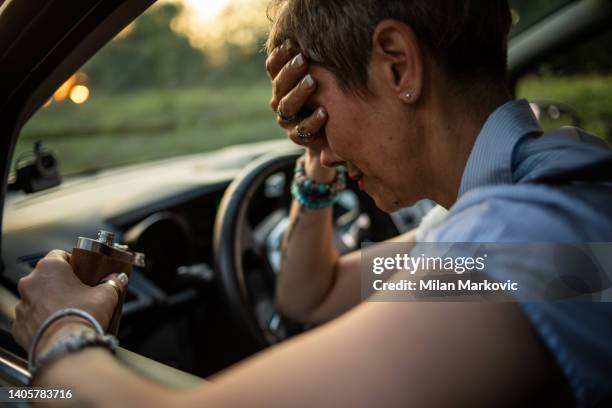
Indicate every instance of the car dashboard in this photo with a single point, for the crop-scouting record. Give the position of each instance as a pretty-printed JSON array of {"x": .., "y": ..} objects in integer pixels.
[{"x": 174, "y": 311}]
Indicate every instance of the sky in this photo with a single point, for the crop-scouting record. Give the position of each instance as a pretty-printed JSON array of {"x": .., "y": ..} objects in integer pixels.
[{"x": 206, "y": 10}]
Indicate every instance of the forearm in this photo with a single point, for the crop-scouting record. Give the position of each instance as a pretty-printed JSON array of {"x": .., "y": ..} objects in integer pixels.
[
  {"x": 93, "y": 375},
  {"x": 98, "y": 380},
  {"x": 309, "y": 259},
  {"x": 396, "y": 361},
  {"x": 379, "y": 369}
]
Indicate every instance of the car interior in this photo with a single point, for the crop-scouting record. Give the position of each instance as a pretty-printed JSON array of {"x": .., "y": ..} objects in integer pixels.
[{"x": 210, "y": 224}]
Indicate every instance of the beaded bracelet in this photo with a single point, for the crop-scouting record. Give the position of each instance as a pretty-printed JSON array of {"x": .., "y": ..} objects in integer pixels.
[
  {"x": 312, "y": 194},
  {"x": 69, "y": 344}
]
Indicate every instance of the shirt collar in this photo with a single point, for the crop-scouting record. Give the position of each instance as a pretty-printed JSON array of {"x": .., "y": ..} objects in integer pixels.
[{"x": 490, "y": 161}]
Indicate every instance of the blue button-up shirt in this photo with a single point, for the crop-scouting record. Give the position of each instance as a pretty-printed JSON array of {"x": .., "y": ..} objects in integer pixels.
[{"x": 497, "y": 203}]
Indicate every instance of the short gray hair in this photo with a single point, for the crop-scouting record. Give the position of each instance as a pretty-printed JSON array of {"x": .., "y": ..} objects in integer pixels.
[{"x": 466, "y": 38}]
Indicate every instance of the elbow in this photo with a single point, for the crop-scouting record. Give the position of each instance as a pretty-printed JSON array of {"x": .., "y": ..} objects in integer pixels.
[
  {"x": 288, "y": 306},
  {"x": 285, "y": 307},
  {"x": 304, "y": 302}
]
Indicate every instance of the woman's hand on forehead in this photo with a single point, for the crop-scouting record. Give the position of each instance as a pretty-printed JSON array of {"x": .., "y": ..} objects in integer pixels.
[
  {"x": 292, "y": 88},
  {"x": 279, "y": 57}
]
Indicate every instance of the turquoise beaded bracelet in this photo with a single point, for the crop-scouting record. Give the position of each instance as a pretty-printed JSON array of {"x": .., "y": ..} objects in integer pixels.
[{"x": 315, "y": 195}]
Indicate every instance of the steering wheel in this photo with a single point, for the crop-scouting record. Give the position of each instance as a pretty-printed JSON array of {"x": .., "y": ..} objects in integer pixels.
[{"x": 249, "y": 227}]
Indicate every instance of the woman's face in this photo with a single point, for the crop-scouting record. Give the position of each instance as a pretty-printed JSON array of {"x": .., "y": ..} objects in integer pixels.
[{"x": 374, "y": 137}]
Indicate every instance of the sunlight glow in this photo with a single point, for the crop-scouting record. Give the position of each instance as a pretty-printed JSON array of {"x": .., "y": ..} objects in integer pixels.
[
  {"x": 213, "y": 25},
  {"x": 206, "y": 11},
  {"x": 126, "y": 31},
  {"x": 79, "y": 94},
  {"x": 64, "y": 90}
]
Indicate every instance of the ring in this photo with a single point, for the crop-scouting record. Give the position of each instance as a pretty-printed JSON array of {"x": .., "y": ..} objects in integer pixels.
[
  {"x": 283, "y": 118},
  {"x": 114, "y": 284},
  {"x": 303, "y": 134}
]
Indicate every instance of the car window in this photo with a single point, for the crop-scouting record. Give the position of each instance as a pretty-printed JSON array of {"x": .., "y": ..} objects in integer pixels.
[
  {"x": 574, "y": 87},
  {"x": 186, "y": 77},
  {"x": 526, "y": 13}
]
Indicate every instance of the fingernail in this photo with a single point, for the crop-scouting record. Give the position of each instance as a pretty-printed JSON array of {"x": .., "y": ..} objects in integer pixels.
[
  {"x": 298, "y": 61},
  {"x": 123, "y": 279},
  {"x": 322, "y": 114},
  {"x": 308, "y": 81},
  {"x": 286, "y": 44}
]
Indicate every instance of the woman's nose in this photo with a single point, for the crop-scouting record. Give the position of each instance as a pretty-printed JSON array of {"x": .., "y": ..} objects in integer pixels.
[{"x": 329, "y": 158}]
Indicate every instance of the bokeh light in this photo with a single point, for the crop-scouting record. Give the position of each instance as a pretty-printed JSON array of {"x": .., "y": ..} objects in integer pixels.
[
  {"x": 213, "y": 25},
  {"x": 64, "y": 90},
  {"x": 79, "y": 94}
]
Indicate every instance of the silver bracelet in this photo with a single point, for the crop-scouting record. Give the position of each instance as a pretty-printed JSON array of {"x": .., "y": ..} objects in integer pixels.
[{"x": 71, "y": 343}]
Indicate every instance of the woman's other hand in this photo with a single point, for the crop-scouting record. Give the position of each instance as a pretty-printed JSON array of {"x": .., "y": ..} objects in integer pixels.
[
  {"x": 52, "y": 286},
  {"x": 292, "y": 86}
]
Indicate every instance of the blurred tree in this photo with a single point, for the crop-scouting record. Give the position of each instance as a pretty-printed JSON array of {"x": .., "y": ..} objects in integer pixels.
[
  {"x": 232, "y": 41},
  {"x": 147, "y": 53}
]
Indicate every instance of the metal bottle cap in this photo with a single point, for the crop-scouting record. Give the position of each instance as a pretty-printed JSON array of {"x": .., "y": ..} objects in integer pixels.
[{"x": 104, "y": 245}]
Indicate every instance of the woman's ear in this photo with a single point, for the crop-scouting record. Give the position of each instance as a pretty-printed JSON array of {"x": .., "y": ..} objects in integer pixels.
[{"x": 397, "y": 58}]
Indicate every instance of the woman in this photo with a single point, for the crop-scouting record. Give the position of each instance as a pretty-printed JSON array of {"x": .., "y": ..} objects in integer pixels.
[{"x": 411, "y": 97}]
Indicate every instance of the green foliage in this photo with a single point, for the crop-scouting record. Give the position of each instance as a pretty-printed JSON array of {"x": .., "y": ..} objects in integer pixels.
[
  {"x": 590, "y": 96},
  {"x": 240, "y": 68},
  {"x": 110, "y": 129},
  {"x": 155, "y": 96},
  {"x": 153, "y": 55},
  {"x": 150, "y": 54}
]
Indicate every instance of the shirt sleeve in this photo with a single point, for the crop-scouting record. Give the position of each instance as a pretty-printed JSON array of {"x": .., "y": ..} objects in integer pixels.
[
  {"x": 431, "y": 220},
  {"x": 579, "y": 334}
]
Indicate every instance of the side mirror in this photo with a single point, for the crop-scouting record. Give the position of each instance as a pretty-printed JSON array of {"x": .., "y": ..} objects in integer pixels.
[
  {"x": 36, "y": 171},
  {"x": 553, "y": 115}
]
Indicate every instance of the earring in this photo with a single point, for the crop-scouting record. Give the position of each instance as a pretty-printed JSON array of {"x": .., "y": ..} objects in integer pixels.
[{"x": 408, "y": 95}]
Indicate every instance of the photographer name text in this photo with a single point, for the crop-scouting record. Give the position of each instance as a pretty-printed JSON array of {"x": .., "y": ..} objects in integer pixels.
[{"x": 436, "y": 285}]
